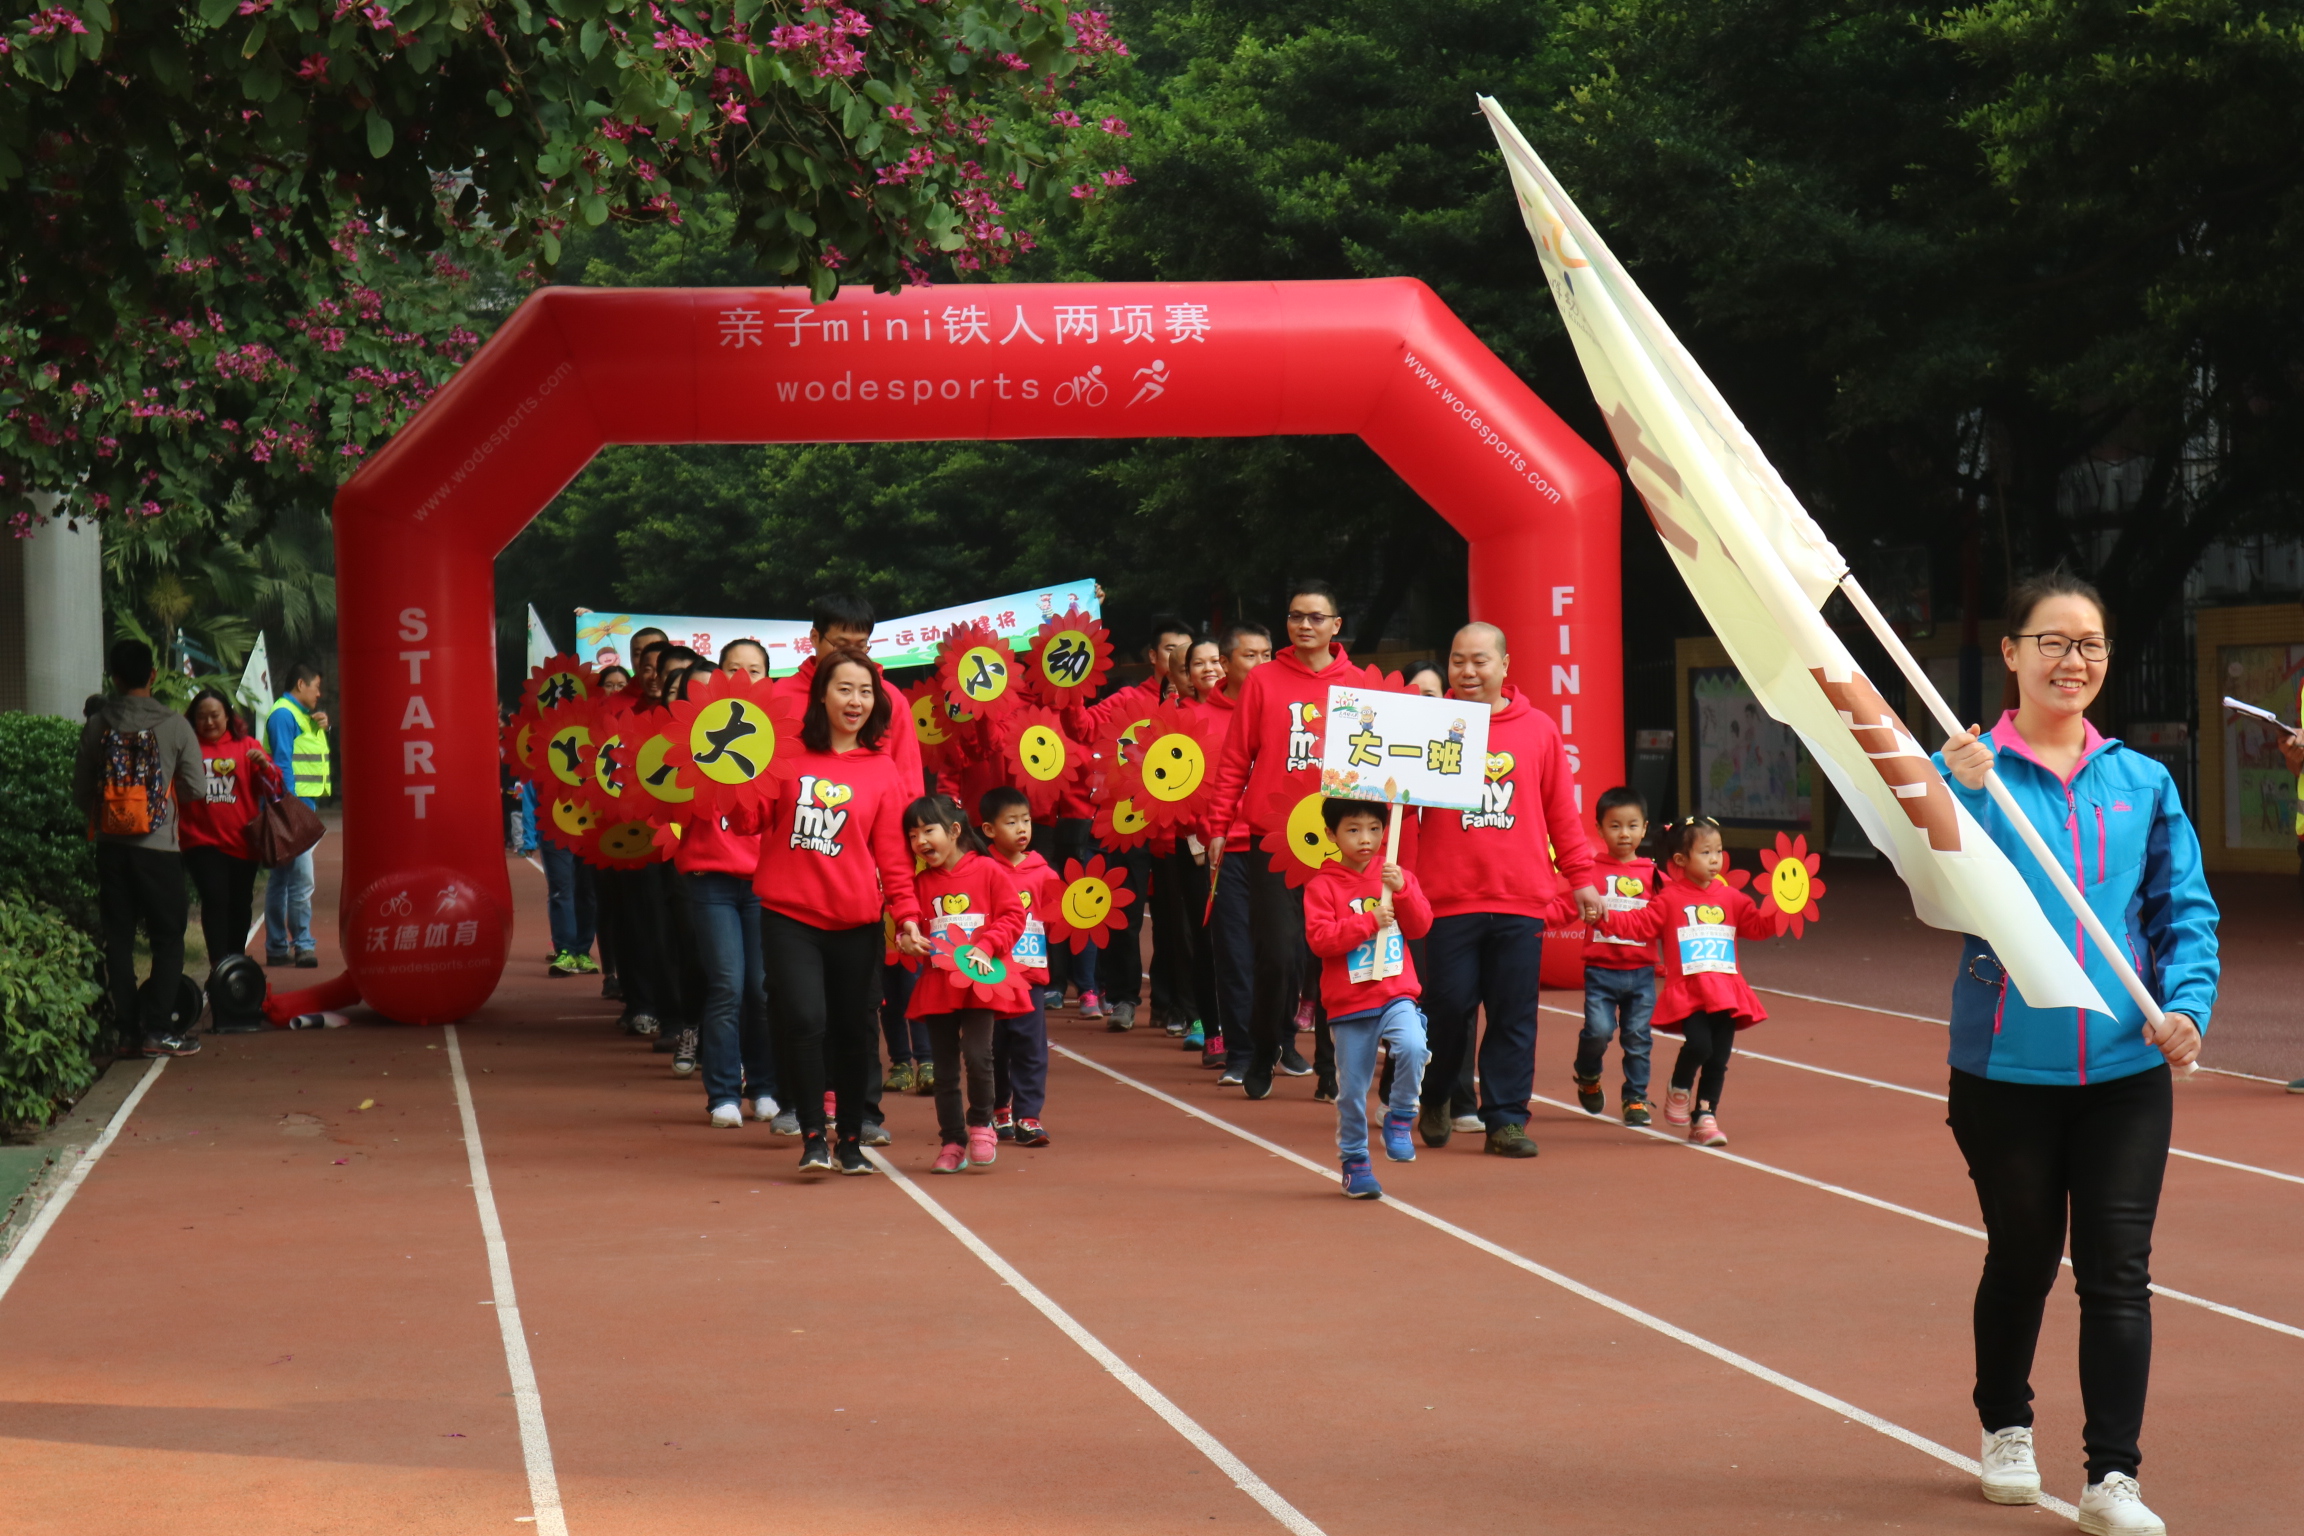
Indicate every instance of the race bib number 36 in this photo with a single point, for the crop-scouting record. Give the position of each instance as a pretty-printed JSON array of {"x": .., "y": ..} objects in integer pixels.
[
  {"x": 1380, "y": 959},
  {"x": 1707, "y": 947},
  {"x": 1031, "y": 948}
]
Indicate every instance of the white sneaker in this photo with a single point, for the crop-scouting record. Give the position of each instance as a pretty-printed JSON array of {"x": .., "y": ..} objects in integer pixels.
[
  {"x": 1469, "y": 1123},
  {"x": 2115, "y": 1507},
  {"x": 727, "y": 1117},
  {"x": 763, "y": 1108},
  {"x": 2011, "y": 1476}
]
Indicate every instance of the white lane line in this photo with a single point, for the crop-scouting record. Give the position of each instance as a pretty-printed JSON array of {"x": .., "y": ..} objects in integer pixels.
[
  {"x": 1152, "y": 1397},
  {"x": 531, "y": 858},
  {"x": 1626, "y": 1310},
  {"x": 527, "y": 1402},
  {"x": 1922, "y": 1093},
  {"x": 37, "y": 1230}
]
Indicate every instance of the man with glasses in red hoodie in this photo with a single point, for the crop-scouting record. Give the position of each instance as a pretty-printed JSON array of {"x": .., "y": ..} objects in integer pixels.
[
  {"x": 1491, "y": 875},
  {"x": 1271, "y": 762}
]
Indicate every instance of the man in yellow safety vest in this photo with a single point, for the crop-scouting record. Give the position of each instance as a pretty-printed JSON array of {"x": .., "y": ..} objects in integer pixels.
[{"x": 296, "y": 736}]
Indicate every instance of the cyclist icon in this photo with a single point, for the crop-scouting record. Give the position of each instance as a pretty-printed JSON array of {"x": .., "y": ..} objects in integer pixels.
[{"x": 1084, "y": 389}]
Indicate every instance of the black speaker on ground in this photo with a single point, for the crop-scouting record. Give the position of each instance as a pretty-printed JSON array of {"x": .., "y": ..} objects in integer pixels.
[
  {"x": 184, "y": 1015},
  {"x": 236, "y": 992}
]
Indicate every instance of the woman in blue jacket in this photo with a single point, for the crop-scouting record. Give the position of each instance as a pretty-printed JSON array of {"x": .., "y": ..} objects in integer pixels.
[{"x": 2059, "y": 1109}]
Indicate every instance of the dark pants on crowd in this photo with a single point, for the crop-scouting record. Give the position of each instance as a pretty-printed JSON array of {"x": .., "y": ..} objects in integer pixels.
[
  {"x": 2037, "y": 1151},
  {"x": 1234, "y": 952},
  {"x": 1020, "y": 1063},
  {"x": 1183, "y": 962},
  {"x": 1276, "y": 930},
  {"x": 226, "y": 885},
  {"x": 823, "y": 1014},
  {"x": 732, "y": 1016},
  {"x": 962, "y": 1036},
  {"x": 142, "y": 886},
  {"x": 907, "y": 1038},
  {"x": 1075, "y": 839},
  {"x": 1707, "y": 1040},
  {"x": 646, "y": 944},
  {"x": 1491, "y": 959},
  {"x": 1120, "y": 969},
  {"x": 571, "y": 900}
]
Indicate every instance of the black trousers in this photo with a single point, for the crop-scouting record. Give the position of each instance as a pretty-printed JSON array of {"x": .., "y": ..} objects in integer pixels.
[
  {"x": 1183, "y": 954},
  {"x": 647, "y": 950},
  {"x": 2037, "y": 1152},
  {"x": 823, "y": 1010},
  {"x": 142, "y": 886},
  {"x": 1276, "y": 932},
  {"x": 965, "y": 1036},
  {"x": 226, "y": 885},
  {"x": 1707, "y": 1040},
  {"x": 1120, "y": 969}
]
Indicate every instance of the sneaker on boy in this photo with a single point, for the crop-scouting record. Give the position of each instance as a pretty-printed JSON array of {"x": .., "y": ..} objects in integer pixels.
[
  {"x": 1004, "y": 1123},
  {"x": 1399, "y": 1145},
  {"x": 1359, "y": 1180},
  {"x": 1030, "y": 1133}
]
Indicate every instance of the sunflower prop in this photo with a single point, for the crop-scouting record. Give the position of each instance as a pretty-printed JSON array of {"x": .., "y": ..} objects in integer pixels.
[
  {"x": 1069, "y": 659},
  {"x": 985, "y": 976},
  {"x": 1166, "y": 772},
  {"x": 1091, "y": 905},
  {"x": 569, "y": 821},
  {"x": 624, "y": 842},
  {"x": 1302, "y": 843},
  {"x": 731, "y": 739},
  {"x": 562, "y": 747},
  {"x": 978, "y": 672},
  {"x": 606, "y": 766},
  {"x": 518, "y": 743},
  {"x": 930, "y": 725},
  {"x": 558, "y": 680},
  {"x": 665, "y": 786},
  {"x": 1793, "y": 888},
  {"x": 1040, "y": 758},
  {"x": 1119, "y": 824}
]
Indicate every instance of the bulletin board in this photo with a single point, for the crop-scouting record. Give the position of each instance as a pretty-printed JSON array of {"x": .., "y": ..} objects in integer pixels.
[{"x": 2247, "y": 796}]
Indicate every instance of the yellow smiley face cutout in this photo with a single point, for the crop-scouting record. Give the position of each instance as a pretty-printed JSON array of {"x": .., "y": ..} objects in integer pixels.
[
  {"x": 1174, "y": 767},
  {"x": 1041, "y": 751},
  {"x": 1087, "y": 902},
  {"x": 1708, "y": 914},
  {"x": 608, "y": 766},
  {"x": 1788, "y": 885},
  {"x": 660, "y": 779},
  {"x": 1126, "y": 819},
  {"x": 928, "y": 722},
  {"x": 573, "y": 817},
  {"x": 564, "y": 753},
  {"x": 1499, "y": 764},
  {"x": 731, "y": 741},
  {"x": 1308, "y": 838},
  {"x": 628, "y": 840},
  {"x": 1126, "y": 750},
  {"x": 983, "y": 674}
]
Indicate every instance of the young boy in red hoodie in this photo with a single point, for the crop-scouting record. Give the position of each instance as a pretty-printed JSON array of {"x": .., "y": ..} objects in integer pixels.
[
  {"x": 1357, "y": 917},
  {"x": 1619, "y": 974},
  {"x": 1020, "y": 1040}
]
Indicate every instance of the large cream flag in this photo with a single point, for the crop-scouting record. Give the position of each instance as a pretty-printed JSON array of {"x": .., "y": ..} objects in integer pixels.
[{"x": 1761, "y": 569}]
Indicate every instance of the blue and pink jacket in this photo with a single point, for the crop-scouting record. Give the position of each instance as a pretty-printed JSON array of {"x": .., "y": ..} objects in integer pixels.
[{"x": 2136, "y": 858}]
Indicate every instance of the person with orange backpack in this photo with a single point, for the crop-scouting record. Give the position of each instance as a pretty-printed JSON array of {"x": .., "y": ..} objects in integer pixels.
[{"x": 137, "y": 761}]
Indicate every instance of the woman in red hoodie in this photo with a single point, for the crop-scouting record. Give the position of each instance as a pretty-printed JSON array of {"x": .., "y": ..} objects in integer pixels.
[
  {"x": 214, "y": 831},
  {"x": 1271, "y": 762},
  {"x": 831, "y": 856}
]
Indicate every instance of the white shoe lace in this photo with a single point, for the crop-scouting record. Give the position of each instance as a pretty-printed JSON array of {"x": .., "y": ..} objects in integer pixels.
[
  {"x": 2119, "y": 1488},
  {"x": 2010, "y": 1451}
]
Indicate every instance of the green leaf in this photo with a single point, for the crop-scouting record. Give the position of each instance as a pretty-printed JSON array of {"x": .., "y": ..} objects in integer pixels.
[
  {"x": 590, "y": 39},
  {"x": 379, "y": 134},
  {"x": 880, "y": 91},
  {"x": 594, "y": 208},
  {"x": 214, "y": 13}
]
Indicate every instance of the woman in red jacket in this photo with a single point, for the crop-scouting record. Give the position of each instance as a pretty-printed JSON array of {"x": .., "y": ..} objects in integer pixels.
[
  {"x": 214, "y": 831},
  {"x": 1700, "y": 995},
  {"x": 831, "y": 856}
]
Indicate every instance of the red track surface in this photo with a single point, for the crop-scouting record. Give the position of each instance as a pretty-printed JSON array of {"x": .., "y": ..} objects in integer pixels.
[{"x": 250, "y": 1324}]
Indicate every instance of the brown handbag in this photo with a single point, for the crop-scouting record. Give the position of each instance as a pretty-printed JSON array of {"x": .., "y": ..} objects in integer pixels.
[{"x": 283, "y": 827}]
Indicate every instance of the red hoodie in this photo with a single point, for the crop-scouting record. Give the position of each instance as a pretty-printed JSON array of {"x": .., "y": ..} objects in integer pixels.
[
  {"x": 1340, "y": 925},
  {"x": 835, "y": 843},
  {"x": 237, "y": 771},
  {"x": 725, "y": 845},
  {"x": 1037, "y": 890},
  {"x": 1696, "y": 968},
  {"x": 1625, "y": 887},
  {"x": 975, "y": 898},
  {"x": 1274, "y": 743},
  {"x": 1501, "y": 857},
  {"x": 901, "y": 744}
]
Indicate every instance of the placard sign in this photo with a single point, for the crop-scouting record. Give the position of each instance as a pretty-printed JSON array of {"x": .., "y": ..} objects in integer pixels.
[{"x": 1404, "y": 747}]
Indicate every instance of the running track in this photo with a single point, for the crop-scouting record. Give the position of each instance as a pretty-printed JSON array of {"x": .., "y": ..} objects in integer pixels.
[{"x": 249, "y": 1322}]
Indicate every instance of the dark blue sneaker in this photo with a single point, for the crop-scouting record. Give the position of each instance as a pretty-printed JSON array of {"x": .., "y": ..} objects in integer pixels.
[
  {"x": 1359, "y": 1183},
  {"x": 1397, "y": 1145}
]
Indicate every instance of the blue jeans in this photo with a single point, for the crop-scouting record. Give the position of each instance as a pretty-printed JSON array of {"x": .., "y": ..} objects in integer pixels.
[
  {"x": 288, "y": 907},
  {"x": 732, "y": 1027},
  {"x": 1491, "y": 960},
  {"x": 1617, "y": 1000},
  {"x": 1398, "y": 1026},
  {"x": 572, "y": 900}
]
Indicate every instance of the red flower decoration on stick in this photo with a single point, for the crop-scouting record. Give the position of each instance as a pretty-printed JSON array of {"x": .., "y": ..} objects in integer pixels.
[
  {"x": 558, "y": 679},
  {"x": 1040, "y": 758},
  {"x": 979, "y": 673},
  {"x": 1092, "y": 904},
  {"x": 1302, "y": 844},
  {"x": 732, "y": 738},
  {"x": 1168, "y": 770},
  {"x": 1069, "y": 659},
  {"x": 1793, "y": 889}
]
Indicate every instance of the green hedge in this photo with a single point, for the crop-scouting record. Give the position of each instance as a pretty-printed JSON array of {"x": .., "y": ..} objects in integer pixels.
[
  {"x": 45, "y": 854},
  {"x": 48, "y": 1022}
]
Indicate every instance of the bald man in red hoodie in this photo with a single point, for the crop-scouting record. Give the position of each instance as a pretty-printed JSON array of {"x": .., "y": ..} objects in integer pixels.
[
  {"x": 1271, "y": 759},
  {"x": 1490, "y": 875}
]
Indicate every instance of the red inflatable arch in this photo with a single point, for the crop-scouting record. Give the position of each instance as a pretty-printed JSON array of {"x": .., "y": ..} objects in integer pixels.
[{"x": 426, "y": 914}]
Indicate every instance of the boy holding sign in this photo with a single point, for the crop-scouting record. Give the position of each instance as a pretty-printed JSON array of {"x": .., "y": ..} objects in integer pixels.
[{"x": 1357, "y": 917}]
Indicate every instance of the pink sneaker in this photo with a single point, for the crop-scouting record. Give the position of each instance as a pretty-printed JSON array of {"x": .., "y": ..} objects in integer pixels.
[
  {"x": 1091, "y": 1006},
  {"x": 950, "y": 1159},
  {"x": 983, "y": 1146},
  {"x": 1706, "y": 1131},
  {"x": 1676, "y": 1106},
  {"x": 831, "y": 1107}
]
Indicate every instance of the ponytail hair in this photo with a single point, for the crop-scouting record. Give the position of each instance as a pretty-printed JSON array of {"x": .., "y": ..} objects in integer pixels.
[
  {"x": 1677, "y": 837},
  {"x": 944, "y": 811}
]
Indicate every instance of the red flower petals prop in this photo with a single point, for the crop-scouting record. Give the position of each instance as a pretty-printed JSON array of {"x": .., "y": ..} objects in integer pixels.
[
  {"x": 518, "y": 742},
  {"x": 1069, "y": 659},
  {"x": 561, "y": 748},
  {"x": 1119, "y": 825},
  {"x": 558, "y": 680},
  {"x": 979, "y": 673},
  {"x": 1040, "y": 758},
  {"x": 606, "y": 765},
  {"x": 1793, "y": 888},
  {"x": 731, "y": 739},
  {"x": 1302, "y": 843},
  {"x": 1092, "y": 904},
  {"x": 1168, "y": 770},
  {"x": 664, "y": 784},
  {"x": 930, "y": 723},
  {"x": 627, "y": 842},
  {"x": 983, "y": 975},
  {"x": 569, "y": 821}
]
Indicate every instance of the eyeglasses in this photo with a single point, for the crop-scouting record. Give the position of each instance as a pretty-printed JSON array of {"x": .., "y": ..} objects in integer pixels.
[
  {"x": 2056, "y": 647},
  {"x": 1297, "y": 617}
]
